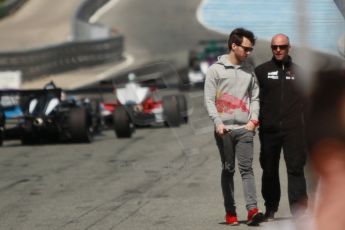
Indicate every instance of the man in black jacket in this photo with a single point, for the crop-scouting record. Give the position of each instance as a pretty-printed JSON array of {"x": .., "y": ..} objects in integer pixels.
[{"x": 282, "y": 127}]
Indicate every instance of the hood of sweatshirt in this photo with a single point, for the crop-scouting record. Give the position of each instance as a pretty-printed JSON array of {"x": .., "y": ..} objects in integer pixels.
[{"x": 224, "y": 60}]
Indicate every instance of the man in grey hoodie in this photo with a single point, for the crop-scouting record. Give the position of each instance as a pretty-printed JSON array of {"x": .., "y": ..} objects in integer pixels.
[{"x": 232, "y": 102}]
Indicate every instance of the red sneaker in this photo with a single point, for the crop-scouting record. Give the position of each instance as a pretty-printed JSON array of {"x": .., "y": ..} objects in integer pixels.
[
  {"x": 254, "y": 217},
  {"x": 231, "y": 218}
]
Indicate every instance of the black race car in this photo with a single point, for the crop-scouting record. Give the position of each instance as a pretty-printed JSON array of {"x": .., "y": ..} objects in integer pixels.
[{"x": 36, "y": 116}]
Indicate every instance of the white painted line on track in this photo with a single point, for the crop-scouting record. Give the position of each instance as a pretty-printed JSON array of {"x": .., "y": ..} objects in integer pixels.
[{"x": 99, "y": 13}]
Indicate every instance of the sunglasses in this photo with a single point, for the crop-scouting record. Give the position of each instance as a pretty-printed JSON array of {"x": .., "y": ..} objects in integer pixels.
[
  {"x": 245, "y": 48},
  {"x": 282, "y": 47}
]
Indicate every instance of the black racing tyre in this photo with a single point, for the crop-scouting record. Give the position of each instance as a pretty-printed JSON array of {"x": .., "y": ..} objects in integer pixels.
[
  {"x": 80, "y": 127},
  {"x": 171, "y": 112},
  {"x": 183, "y": 107},
  {"x": 97, "y": 121},
  {"x": 2, "y": 127},
  {"x": 183, "y": 80},
  {"x": 2, "y": 119},
  {"x": 1, "y": 136},
  {"x": 122, "y": 123},
  {"x": 28, "y": 136},
  {"x": 28, "y": 140}
]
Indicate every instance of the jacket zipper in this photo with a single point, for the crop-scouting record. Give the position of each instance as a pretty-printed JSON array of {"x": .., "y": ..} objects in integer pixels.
[{"x": 281, "y": 97}]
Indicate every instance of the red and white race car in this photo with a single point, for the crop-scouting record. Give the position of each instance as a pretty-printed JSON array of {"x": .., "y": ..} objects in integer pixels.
[{"x": 138, "y": 105}]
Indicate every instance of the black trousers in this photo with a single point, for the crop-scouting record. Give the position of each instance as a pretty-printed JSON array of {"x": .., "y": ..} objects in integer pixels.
[{"x": 295, "y": 152}]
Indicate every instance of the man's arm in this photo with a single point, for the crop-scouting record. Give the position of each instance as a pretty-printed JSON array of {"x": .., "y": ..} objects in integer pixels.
[
  {"x": 210, "y": 93},
  {"x": 254, "y": 104}
]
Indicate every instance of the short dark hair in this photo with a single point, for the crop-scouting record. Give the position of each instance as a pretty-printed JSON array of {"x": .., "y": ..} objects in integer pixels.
[{"x": 236, "y": 36}]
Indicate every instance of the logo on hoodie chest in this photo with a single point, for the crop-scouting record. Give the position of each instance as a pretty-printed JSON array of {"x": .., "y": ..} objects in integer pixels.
[{"x": 227, "y": 103}]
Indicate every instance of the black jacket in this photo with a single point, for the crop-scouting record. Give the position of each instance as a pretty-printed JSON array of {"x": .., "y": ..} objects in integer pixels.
[{"x": 282, "y": 100}]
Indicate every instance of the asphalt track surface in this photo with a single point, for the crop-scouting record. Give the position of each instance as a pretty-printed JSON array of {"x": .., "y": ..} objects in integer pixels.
[{"x": 162, "y": 178}]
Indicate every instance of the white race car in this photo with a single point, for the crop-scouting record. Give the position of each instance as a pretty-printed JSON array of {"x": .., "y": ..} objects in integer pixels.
[{"x": 138, "y": 105}]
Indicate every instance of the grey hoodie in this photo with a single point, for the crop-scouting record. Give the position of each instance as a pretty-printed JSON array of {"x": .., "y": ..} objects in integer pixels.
[{"x": 231, "y": 93}]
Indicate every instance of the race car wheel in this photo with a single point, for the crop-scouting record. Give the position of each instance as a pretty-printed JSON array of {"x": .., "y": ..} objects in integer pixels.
[
  {"x": 122, "y": 123},
  {"x": 27, "y": 140},
  {"x": 97, "y": 121},
  {"x": 182, "y": 104},
  {"x": 2, "y": 127},
  {"x": 28, "y": 135},
  {"x": 171, "y": 111},
  {"x": 2, "y": 119},
  {"x": 80, "y": 127},
  {"x": 183, "y": 80},
  {"x": 1, "y": 135}
]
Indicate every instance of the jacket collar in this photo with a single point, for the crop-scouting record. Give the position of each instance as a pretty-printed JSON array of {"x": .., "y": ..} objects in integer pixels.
[{"x": 286, "y": 63}]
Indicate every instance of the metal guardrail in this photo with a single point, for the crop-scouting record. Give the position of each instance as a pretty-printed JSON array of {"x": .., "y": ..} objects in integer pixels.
[
  {"x": 10, "y": 6},
  {"x": 82, "y": 52},
  {"x": 62, "y": 57}
]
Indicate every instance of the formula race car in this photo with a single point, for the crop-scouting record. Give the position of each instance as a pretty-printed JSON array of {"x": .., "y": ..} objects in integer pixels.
[
  {"x": 138, "y": 105},
  {"x": 201, "y": 58},
  {"x": 36, "y": 116}
]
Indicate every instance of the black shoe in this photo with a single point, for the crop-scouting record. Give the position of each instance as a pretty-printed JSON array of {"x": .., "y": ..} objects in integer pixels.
[{"x": 269, "y": 216}]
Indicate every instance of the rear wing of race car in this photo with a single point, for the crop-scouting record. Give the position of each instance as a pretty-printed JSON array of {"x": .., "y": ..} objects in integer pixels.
[
  {"x": 30, "y": 92},
  {"x": 13, "y": 102}
]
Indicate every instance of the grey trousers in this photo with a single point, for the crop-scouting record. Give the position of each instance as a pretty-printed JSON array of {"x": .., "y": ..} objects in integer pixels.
[{"x": 237, "y": 144}]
